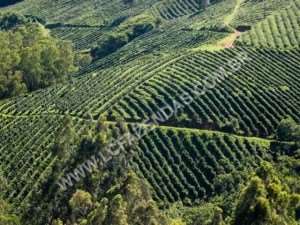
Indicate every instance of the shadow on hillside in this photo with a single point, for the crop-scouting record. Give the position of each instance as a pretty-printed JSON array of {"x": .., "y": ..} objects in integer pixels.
[
  {"x": 4, "y": 3},
  {"x": 62, "y": 25},
  {"x": 243, "y": 28}
]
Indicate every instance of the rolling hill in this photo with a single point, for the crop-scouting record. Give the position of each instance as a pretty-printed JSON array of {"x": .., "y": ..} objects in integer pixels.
[{"x": 227, "y": 129}]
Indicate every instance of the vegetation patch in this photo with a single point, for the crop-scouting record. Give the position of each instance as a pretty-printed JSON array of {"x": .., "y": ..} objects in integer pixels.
[
  {"x": 125, "y": 32},
  {"x": 30, "y": 58},
  {"x": 8, "y": 2}
]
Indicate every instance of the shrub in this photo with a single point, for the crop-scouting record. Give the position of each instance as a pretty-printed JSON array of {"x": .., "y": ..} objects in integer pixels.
[
  {"x": 82, "y": 60},
  {"x": 126, "y": 32},
  {"x": 288, "y": 130},
  {"x": 10, "y": 20},
  {"x": 110, "y": 45},
  {"x": 6, "y": 217}
]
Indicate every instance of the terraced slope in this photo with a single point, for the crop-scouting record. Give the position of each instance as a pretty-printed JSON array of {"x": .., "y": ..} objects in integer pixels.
[
  {"x": 149, "y": 73},
  {"x": 280, "y": 30},
  {"x": 172, "y": 9},
  {"x": 178, "y": 163},
  {"x": 24, "y": 153},
  {"x": 89, "y": 12},
  {"x": 253, "y": 11},
  {"x": 186, "y": 164},
  {"x": 257, "y": 100},
  {"x": 80, "y": 27},
  {"x": 81, "y": 37}
]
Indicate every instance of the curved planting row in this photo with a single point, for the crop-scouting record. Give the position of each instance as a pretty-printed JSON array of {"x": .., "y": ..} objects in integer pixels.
[
  {"x": 258, "y": 95},
  {"x": 252, "y": 11},
  {"x": 120, "y": 71},
  {"x": 88, "y": 12},
  {"x": 280, "y": 30},
  {"x": 93, "y": 93},
  {"x": 178, "y": 163},
  {"x": 171, "y": 9},
  {"x": 181, "y": 164},
  {"x": 25, "y": 155},
  {"x": 82, "y": 38}
]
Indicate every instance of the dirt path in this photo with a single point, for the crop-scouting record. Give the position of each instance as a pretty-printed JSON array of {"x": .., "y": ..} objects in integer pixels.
[
  {"x": 228, "y": 42},
  {"x": 228, "y": 19}
]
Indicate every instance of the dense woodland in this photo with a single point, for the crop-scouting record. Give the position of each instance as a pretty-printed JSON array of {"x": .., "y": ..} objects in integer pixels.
[{"x": 31, "y": 58}]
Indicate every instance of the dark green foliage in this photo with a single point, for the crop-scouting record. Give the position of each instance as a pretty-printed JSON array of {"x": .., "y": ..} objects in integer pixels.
[
  {"x": 267, "y": 200},
  {"x": 8, "y": 2},
  {"x": 118, "y": 21},
  {"x": 6, "y": 213},
  {"x": 31, "y": 58},
  {"x": 115, "y": 42},
  {"x": 65, "y": 142},
  {"x": 201, "y": 169},
  {"x": 110, "y": 45},
  {"x": 140, "y": 29},
  {"x": 127, "y": 202},
  {"x": 128, "y": 1},
  {"x": 288, "y": 130},
  {"x": 11, "y": 20},
  {"x": 231, "y": 126},
  {"x": 126, "y": 32}
]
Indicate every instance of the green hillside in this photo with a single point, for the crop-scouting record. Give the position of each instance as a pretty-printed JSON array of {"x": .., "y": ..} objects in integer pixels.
[
  {"x": 223, "y": 77},
  {"x": 279, "y": 30}
]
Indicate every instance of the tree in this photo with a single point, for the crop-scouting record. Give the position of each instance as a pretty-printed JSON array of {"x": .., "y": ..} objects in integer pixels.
[
  {"x": 65, "y": 141},
  {"x": 118, "y": 211},
  {"x": 177, "y": 222},
  {"x": 6, "y": 217},
  {"x": 218, "y": 217},
  {"x": 97, "y": 216},
  {"x": 30, "y": 58},
  {"x": 126, "y": 32},
  {"x": 288, "y": 130},
  {"x": 231, "y": 125},
  {"x": 80, "y": 203},
  {"x": 57, "y": 222},
  {"x": 266, "y": 200},
  {"x": 11, "y": 20}
]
